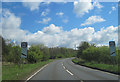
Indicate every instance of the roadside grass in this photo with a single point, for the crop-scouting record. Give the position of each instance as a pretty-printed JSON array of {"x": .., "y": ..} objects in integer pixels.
[
  {"x": 105, "y": 67},
  {"x": 111, "y": 68},
  {"x": 13, "y": 72}
]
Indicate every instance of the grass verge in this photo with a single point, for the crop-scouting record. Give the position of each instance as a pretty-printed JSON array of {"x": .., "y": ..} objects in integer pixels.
[
  {"x": 13, "y": 72},
  {"x": 99, "y": 66}
]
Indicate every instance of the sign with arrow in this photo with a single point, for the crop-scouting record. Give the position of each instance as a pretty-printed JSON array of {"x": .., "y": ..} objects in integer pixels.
[
  {"x": 112, "y": 48},
  {"x": 23, "y": 49}
]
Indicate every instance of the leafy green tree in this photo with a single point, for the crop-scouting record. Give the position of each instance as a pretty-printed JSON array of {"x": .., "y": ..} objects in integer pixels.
[
  {"x": 31, "y": 57},
  {"x": 46, "y": 53},
  {"x": 34, "y": 54},
  {"x": 99, "y": 55},
  {"x": 17, "y": 54},
  {"x": 82, "y": 46},
  {"x": 5, "y": 50},
  {"x": 8, "y": 53}
]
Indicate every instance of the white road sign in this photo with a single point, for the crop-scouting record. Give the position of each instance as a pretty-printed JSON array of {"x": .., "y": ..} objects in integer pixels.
[
  {"x": 23, "y": 49},
  {"x": 112, "y": 48}
]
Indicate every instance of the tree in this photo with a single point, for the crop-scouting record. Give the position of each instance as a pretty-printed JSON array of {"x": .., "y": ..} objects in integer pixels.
[
  {"x": 82, "y": 46},
  {"x": 91, "y": 54},
  {"x": 31, "y": 57},
  {"x": 16, "y": 52},
  {"x": 7, "y": 51},
  {"x": 34, "y": 54}
]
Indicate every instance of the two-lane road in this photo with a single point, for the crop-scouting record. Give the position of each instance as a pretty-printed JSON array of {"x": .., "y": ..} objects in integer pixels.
[{"x": 65, "y": 69}]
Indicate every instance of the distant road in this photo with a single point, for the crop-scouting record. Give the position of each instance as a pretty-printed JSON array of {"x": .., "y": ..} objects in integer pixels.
[{"x": 65, "y": 69}]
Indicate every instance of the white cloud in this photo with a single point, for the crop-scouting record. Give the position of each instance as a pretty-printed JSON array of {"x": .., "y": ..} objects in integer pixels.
[
  {"x": 82, "y": 7},
  {"x": 110, "y": 12},
  {"x": 60, "y": 13},
  {"x": 32, "y": 5},
  {"x": 92, "y": 20},
  {"x": 11, "y": 26},
  {"x": 44, "y": 13},
  {"x": 46, "y": 3},
  {"x": 52, "y": 29},
  {"x": 105, "y": 35},
  {"x": 65, "y": 20},
  {"x": 97, "y": 4},
  {"x": 45, "y": 20},
  {"x": 54, "y": 35},
  {"x": 113, "y": 9}
]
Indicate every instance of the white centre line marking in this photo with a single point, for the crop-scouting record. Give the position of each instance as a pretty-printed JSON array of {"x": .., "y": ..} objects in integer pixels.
[
  {"x": 69, "y": 72},
  {"x": 64, "y": 67},
  {"x": 81, "y": 81}
]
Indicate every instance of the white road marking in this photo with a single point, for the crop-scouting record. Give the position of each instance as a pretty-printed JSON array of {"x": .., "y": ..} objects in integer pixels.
[
  {"x": 108, "y": 73},
  {"x": 69, "y": 72},
  {"x": 62, "y": 64},
  {"x": 36, "y": 72},
  {"x": 100, "y": 71},
  {"x": 64, "y": 67},
  {"x": 81, "y": 81}
]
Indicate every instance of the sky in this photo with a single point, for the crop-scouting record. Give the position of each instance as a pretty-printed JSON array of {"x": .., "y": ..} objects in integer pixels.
[{"x": 56, "y": 24}]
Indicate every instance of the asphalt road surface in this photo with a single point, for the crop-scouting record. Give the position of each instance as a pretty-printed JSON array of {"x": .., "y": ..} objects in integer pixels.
[{"x": 65, "y": 69}]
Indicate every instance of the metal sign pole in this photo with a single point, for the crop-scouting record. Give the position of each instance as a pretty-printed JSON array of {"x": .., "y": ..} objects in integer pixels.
[{"x": 23, "y": 63}]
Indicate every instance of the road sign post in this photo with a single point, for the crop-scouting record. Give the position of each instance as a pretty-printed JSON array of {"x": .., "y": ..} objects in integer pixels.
[
  {"x": 112, "y": 50},
  {"x": 23, "y": 51}
]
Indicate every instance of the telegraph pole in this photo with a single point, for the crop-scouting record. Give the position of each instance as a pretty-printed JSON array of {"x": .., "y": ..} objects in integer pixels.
[
  {"x": 75, "y": 46},
  {"x": 75, "y": 49}
]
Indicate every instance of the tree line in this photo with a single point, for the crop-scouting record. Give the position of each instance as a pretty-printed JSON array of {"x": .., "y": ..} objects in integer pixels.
[
  {"x": 101, "y": 54},
  {"x": 36, "y": 53}
]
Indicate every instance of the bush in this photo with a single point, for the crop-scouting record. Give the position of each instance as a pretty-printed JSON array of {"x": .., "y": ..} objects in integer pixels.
[
  {"x": 99, "y": 54},
  {"x": 34, "y": 54},
  {"x": 91, "y": 54},
  {"x": 82, "y": 46},
  {"x": 31, "y": 57},
  {"x": 45, "y": 57},
  {"x": 12, "y": 53}
]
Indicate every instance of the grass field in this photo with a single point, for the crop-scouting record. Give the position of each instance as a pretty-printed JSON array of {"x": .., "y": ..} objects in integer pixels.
[
  {"x": 13, "y": 72},
  {"x": 106, "y": 67}
]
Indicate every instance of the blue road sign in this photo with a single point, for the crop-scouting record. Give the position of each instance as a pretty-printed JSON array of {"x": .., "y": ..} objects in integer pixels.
[
  {"x": 23, "y": 49},
  {"x": 112, "y": 48}
]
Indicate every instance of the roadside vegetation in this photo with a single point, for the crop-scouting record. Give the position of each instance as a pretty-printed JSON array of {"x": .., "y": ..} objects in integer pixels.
[
  {"x": 38, "y": 55},
  {"x": 11, "y": 71},
  {"x": 97, "y": 57}
]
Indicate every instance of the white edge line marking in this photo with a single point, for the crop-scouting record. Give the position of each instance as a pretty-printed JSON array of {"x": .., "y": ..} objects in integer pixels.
[
  {"x": 101, "y": 71},
  {"x": 36, "y": 72},
  {"x": 69, "y": 72},
  {"x": 109, "y": 73}
]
